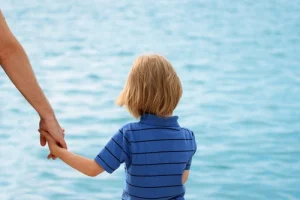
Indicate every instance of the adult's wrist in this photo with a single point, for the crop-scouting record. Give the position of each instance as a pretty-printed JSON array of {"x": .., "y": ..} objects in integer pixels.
[{"x": 48, "y": 116}]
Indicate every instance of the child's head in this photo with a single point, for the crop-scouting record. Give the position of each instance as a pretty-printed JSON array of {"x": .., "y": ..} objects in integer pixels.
[{"x": 152, "y": 86}]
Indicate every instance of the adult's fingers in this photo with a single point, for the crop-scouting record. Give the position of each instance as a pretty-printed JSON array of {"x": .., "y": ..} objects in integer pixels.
[
  {"x": 42, "y": 140},
  {"x": 45, "y": 135}
]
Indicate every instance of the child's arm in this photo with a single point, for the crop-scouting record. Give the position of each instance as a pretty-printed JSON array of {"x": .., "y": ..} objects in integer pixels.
[
  {"x": 185, "y": 176},
  {"x": 84, "y": 165}
]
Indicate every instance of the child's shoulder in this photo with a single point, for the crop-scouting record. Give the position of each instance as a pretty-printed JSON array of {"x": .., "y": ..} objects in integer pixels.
[
  {"x": 131, "y": 126},
  {"x": 188, "y": 131},
  {"x": 191, "y": 134}
]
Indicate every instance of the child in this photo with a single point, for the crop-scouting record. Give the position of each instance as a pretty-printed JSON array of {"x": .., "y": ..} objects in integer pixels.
[{"x": 157, "y": 152}]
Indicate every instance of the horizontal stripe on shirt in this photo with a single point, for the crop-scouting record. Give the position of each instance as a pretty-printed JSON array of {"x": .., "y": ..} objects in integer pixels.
[
  {"x": 163, "y": 186},
  {"x": 136, "y": 153},
  {"x": 159, "y": 164},
  {"x": 158, "y": 140},
  {"x": 153, "y": 197},
  {"x": 138, "y": 175},
  {"x": 155, "y": 128}
]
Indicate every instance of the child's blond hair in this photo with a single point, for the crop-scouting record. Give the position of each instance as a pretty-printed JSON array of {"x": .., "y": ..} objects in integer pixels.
[{"x": 152, "y": 87}]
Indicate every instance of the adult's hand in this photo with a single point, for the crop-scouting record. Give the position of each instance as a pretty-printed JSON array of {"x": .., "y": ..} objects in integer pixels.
[{"x": 51, "y": 125}]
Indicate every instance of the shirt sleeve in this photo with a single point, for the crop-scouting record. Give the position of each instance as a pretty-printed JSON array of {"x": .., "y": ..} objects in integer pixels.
[
  {"x": 114, "y": 153},
  {"x": 188, "y": 165}
]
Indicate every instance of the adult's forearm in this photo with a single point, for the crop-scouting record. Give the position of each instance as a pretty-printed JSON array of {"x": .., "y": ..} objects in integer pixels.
[{"x": 17, "y": 66}]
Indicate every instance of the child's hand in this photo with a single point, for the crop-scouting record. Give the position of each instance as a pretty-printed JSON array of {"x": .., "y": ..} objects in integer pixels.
[{"x": 53, "y": 146}]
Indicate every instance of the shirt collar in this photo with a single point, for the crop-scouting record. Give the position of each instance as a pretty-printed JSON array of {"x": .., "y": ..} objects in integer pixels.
[{"x": 152, "y": 119}]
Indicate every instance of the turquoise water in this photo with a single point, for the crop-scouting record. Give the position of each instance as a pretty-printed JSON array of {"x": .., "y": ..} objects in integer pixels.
[{"x": 240, "y": 68}]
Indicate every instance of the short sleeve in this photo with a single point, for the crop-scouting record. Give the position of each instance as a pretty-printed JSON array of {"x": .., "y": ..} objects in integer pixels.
[
  {"x": 115, "y": 153},
  {"x": 188, "y": 165}
]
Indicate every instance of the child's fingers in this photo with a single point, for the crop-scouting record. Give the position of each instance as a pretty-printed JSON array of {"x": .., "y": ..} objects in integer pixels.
[{"x": 51, "y": 156}]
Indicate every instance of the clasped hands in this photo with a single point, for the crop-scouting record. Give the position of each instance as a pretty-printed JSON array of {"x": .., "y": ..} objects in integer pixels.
[{"x": 51, "y": 132}]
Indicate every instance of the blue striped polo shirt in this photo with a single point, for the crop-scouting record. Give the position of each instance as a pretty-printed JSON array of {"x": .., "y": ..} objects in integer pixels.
[{"x": 156, "y": 151}]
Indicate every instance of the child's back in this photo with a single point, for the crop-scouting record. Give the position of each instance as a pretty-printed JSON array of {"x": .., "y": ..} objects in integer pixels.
[{"x": 156, "y": 151}]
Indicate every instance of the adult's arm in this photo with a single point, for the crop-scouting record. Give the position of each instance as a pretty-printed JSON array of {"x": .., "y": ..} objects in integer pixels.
[{"x": 16, "y": 65}]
